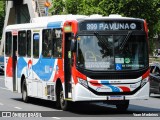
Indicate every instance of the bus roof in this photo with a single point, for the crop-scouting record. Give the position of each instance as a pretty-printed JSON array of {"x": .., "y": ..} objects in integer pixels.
[
  {"x": 56, "y": 21},
  {"x": 45, "y": 22},
  {"x": 56, "y": 18},
  {"x": 112, "y": 16},
  {"x": 25, "y": 26}
]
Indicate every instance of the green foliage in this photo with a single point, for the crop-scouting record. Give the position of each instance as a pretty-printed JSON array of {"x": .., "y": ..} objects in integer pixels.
[
  {"x": 71, "y": 6},
  {"x": 86, "y": 7},
  {"x": 58, "y": 6},
  {"x": 2, "y": 4},
  {"x": 145, "y": 9}
]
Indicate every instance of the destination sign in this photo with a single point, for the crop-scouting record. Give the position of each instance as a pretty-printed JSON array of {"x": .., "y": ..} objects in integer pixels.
[{"x": 109, "y": 25}]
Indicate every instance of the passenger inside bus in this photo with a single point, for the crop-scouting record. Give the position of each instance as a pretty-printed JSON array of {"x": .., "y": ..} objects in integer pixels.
[{"x": 46, "y": 44}]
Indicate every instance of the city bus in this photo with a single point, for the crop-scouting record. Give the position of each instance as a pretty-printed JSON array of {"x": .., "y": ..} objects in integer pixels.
[{"x": 77, "y": 58}]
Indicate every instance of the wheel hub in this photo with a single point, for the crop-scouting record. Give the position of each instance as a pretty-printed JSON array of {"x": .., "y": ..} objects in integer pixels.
[{"x": 62, "y": 98}]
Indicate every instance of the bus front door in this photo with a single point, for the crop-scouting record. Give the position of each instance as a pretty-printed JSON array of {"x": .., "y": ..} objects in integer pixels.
[
  {"x": 14, "y": 62},
  {"x": 67, "y": 64}
]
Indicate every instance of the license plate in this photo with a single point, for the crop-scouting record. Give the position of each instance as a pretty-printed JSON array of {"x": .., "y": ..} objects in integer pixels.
[{"x": 116, "y": 98}]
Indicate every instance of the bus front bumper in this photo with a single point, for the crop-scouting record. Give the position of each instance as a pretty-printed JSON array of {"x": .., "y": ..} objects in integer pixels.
[{"x": 81, "y": 93}]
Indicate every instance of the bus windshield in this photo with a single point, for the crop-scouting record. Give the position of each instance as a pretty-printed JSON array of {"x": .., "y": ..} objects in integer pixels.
[{"x": 112, "y": 52}]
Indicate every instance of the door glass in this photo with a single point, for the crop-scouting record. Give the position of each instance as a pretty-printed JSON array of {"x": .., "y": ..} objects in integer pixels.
[{"x": 36, "y": 45}]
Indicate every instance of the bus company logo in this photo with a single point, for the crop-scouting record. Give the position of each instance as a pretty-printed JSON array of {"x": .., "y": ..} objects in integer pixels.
[
  {"x": 29, "y": 68},
  {"x": 133, "y": 26},
  {"x": 104, "y": 89},
  {"x": 98, "y": 88}
]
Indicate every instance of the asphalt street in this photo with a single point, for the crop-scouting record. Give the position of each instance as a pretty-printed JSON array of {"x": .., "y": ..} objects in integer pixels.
[{"x": 11, "y": 103}]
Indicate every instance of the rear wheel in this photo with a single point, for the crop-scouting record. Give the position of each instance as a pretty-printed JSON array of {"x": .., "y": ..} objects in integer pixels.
[
  {"x": 25, "y": 96},
  {"x": 123, "y": 106}
]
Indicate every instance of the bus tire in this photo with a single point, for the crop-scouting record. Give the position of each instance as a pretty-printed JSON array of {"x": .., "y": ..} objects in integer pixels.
[
  {"x": 63, "y": 104},
  {"x": 159, "y": 87},
  {"x": 124, "y": 106},
  {"x": 25, "y": 96}
]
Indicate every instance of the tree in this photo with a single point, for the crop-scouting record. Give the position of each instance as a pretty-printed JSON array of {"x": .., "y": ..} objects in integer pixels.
[
  {"x": 146, "y": 9},
  {"x": 85, "y": 7},
  {"x": 2, "y": 15},
  {"x": 58, "y": 7}
]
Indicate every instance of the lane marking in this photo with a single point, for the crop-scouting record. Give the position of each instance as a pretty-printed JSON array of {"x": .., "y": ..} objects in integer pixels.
[
  {"x": 56, "y": 118},
  {"x": 18, "y": 108},
  {"x": 4, "y": 88},
  {"x": 1, "y": 104}
]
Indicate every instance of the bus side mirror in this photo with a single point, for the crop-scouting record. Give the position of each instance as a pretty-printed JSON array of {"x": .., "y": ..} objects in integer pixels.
[{"x": 73, "y": 45}]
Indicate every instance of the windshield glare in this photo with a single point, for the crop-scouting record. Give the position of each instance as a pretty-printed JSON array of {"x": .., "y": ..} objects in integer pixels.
[{"x": 112, "y": 52}]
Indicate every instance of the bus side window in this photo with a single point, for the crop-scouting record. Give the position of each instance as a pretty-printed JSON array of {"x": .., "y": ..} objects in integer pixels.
[
  {"x": 28, "y": 43},
  {"x": 57, "y": 42},
  {"x": 35, "y": 45},
  {"x": 46, "y": 43},
  {"x": 8, "y": 44},
  {"x": 22, "y": 43}
]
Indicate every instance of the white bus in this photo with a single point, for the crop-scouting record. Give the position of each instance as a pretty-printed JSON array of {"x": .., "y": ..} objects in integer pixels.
[{"x": 70, "y": 58}]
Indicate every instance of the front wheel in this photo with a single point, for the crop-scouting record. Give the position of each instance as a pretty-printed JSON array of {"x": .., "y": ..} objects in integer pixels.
[
  {"x": 159, "y": 87},
  {"x": 61, "y": 101},
  {"x": 123, "y": 106}
]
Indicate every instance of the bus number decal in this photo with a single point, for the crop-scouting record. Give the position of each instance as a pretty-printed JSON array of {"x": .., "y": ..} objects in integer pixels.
[{"x": 92, "y": 26}]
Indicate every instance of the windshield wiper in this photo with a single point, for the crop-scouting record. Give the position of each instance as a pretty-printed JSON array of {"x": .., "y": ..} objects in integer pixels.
[
  {"x": 125, "y": 40},
  {"x": 101, "y": 40}
]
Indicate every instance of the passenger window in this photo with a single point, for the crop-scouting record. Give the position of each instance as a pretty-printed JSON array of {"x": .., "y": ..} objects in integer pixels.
[
  {"x": 22, "y": 43},
  {"x": 36, "y": 45},
  {"x": 8, "y": 44},
  {"x": 52, "y": 43},
  {"x": 57, "y": 43},
  {"x": 47, "y": 43},
  {"x": 28, "y": 43}
]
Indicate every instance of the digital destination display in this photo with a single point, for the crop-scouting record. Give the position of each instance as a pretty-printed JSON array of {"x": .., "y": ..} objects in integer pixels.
[{"x": 111, "y": 25}]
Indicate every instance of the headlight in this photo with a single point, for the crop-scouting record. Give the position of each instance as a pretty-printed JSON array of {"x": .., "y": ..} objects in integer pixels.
[
  {"x": 83, "y": 82},
  {"x": 144, "y": 81}
]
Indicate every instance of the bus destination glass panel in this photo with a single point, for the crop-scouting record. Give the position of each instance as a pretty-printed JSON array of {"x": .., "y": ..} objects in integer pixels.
[{"x": 111, "y": 25}]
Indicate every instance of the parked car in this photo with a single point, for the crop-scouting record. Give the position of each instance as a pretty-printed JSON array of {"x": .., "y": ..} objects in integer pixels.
[
  {"x": 1, "y": 70},
  {"x": 155, "y": 78},
  {"x": 1, "y": 65}
]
